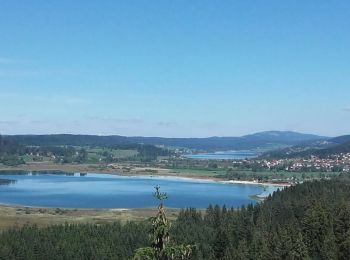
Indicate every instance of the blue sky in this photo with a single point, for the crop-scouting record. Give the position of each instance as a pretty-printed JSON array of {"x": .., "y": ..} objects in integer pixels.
[{"x": 174, "y": 68}]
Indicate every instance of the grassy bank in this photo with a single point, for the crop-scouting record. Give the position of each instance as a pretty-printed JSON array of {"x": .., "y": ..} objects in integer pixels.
[
  {"x": 12, "y": 216},
  {"x": 121, "y": 169}
]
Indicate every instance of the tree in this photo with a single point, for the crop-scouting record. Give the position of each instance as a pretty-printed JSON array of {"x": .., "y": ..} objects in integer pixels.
[
  {"x": 161, "y": 247},
  {"x": 299, "y": 249}
]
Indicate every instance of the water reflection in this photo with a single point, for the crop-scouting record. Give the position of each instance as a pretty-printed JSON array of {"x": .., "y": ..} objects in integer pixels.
[
  {"x": 92, "y": 190},
  {"x": 7, "y": 181}
]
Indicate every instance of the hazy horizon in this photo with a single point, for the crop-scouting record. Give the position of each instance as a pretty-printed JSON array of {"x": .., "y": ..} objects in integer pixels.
[
  {"x": 174, "y": 68},
  {"x": 226, "y": 136}
]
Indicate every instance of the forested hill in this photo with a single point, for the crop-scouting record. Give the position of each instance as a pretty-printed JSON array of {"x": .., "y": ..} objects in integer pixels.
[
  {"x": 270, "y": 139},
  {"x": 13, "y": 151},
  {"x": 326, "y": 148},
  {"x": 306, "y": 221},
  {"x": 340, "y": 139}
]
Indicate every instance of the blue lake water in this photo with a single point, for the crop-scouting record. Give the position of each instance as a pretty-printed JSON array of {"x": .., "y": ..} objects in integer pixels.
[
  {"x": 113, "y": 191},
  {"x": 225, "y": 155}
]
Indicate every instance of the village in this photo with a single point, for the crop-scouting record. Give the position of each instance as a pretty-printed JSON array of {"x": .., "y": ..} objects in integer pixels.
[{"x": 334, "y": 163}]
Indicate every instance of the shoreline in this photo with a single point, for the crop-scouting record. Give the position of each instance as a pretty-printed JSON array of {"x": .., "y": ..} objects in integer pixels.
[
  {"x": 135, "y": 171},
  {"x": 12, "y": 215},
  {"x": 202, "y": 179},
  {"x": 259, "y": 183}
]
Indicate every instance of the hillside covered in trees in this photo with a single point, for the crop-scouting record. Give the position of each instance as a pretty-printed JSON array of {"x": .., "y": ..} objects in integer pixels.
[
  {"x": 322, "y": 149},
  {"x": 14, "y": 151},
  {"x": 267, "y": 140},
  {"x": 306, "y": 221}
]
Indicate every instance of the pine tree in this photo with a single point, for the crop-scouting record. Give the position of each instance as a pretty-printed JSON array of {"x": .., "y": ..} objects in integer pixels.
[
  {"x": 161, "y": 248},
  {"x": 299, "y": 249},
  {"x": 342, "y": 230}
]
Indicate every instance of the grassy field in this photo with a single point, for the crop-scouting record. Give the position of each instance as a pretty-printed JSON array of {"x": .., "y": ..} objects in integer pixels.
[
  {"x": 181, "y": 172},
  {"x": 13, "y": 217},
  {"x": 103, "y": 168},
  {"x": 197, "y": 172},
  {"x": 93, "y": 154},
  {"x": 118, "y": 153}
]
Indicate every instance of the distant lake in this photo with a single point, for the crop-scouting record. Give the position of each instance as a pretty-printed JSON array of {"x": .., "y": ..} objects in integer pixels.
[
  {"x": 112, "y": 191},
  {"x": 225, "y": 155}
]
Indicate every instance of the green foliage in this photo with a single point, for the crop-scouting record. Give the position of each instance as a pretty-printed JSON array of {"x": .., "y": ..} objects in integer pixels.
[
  {"x": 161, "y": 248},
  {"x": 12, "y": 153},
  {"x": 108, "y": 241},
  {"x": 9, "y": 152},
  {"x": 12, "y": 160}
]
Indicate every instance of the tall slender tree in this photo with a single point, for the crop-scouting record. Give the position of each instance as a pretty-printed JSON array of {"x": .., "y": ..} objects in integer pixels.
[{"x": 161, "y": 246}]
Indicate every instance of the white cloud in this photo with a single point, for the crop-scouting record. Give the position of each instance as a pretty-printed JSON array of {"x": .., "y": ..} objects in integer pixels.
[{"x": 347, "y": 109}]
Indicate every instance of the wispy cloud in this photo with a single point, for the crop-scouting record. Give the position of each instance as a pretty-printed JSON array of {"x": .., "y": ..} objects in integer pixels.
[
  {"x": 11, "y": 61},
  {"x": 117, "y": 120},
  {"x": 70, "y": 100},
  {"x": 9, "y": 122},
  {"x": 12, "y": 67},
  {"x": 40, "y": 122},
  {"x": 346, "y": 109},
  {"x": 166, "y": 124},
  {"x": 57, "y": 99}
]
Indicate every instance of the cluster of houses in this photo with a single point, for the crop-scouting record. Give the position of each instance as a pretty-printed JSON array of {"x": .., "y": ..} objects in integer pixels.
[{"x": 339, "y": 162}]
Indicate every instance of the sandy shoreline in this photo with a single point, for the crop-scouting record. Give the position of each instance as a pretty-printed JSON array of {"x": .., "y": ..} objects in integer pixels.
[
  {"x": 259, "y": 183},
  {"x": 134, "y": 171},
  {"x": 19, "y": 215}
]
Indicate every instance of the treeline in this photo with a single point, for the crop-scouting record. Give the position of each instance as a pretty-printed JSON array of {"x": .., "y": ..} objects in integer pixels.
[
  {"x": 9, "y": 151},
  {"x": 68, "y": 139},
  {"x": 12, "y": 152},
  {"x": 306, "y": 221},
  {"x": 145, "y": 152},
  {"x": 112, "y": 241},
  {"x": 263, "y": 139},
  {"x": 304, "y": 152}
]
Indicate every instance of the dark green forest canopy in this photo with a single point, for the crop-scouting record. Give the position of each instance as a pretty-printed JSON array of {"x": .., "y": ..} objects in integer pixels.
[
  {"x": 322, "y": 149},
  {"x": 253, "y": 141},
  {"x": 306, "y": 221},
  {"x": 12, "y": 150}
]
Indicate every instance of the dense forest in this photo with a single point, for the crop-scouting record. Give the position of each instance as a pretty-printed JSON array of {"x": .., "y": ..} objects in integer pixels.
[
  {"x": 337, "y": 145},
  {"x": 306, "y": 221},
  {"x": 307, "y": 152},
  {"x": 268, "y": 139},
  {"x": 12, "y": 152}
]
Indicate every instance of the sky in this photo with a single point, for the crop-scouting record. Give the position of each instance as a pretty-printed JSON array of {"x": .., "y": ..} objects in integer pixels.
[{"x": 174, "y": 68}]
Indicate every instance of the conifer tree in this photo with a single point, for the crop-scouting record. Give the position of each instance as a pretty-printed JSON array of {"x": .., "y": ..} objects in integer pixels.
[
  {"x": 299, "y": 249},
  {"x": 161, "y": 247}
]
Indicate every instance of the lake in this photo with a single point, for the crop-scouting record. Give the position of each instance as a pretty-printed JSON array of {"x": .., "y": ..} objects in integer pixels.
[
  {"x": 92, "y": 190},
  {"x": 224, "y": 155}
]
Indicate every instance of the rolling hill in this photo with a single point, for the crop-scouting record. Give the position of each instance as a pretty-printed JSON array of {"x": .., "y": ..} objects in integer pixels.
[
  {"x": 336, "y": 145},
  {"x": 261, "y": 140}
]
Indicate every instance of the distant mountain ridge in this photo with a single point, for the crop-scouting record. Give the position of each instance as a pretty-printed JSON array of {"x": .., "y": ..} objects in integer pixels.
[
  {"x": 261, "y": 140},
  {"x": 332, "y": 146},
  {"x": 284, "y": 136},
  {"x": 340, "y": 139}
]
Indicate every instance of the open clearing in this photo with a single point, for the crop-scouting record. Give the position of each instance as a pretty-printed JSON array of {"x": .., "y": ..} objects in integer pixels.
[{"x": 14, "y": 217}]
